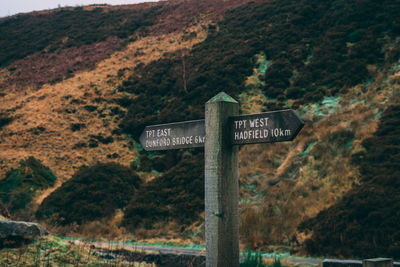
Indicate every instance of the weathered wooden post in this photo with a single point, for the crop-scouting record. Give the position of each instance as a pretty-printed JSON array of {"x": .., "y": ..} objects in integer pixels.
[{"x": 221, "y": 184}]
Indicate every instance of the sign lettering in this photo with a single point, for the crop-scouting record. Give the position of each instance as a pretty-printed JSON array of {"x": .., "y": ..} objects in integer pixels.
[
  {"x": 177, "y": 135},
  {"x": 267, "y": 127}
]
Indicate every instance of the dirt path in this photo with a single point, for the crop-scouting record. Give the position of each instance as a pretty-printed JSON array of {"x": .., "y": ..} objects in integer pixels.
[{"x": 195, "y": 253}]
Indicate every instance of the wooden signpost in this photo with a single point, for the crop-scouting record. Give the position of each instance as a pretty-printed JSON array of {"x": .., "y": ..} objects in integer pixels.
[{"x": 220, "y": 133}]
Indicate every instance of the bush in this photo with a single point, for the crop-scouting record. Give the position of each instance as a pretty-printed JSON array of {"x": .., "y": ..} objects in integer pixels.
[
  {"x": 177, "y": 196},
  {"x": 77, "y": 126},
  {"x": 92, "y": 193},
  {"x": 102, "y": 139},
  {"x": 4, "y": 120},
  {"x": 18, "y": 188}
]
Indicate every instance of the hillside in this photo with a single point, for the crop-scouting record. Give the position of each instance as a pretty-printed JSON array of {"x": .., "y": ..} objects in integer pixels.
[
  {"x": 369, "y": 211},
  {"x": 76, "y": 96}
]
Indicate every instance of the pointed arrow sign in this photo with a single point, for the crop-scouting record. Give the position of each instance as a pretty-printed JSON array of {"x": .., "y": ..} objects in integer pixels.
[
  {"x": 267, "y": 127},
  {"x": 186, "y": 134}
]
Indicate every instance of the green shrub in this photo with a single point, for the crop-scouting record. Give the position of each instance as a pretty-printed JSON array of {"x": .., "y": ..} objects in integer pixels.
[
  {"x": 253, "y": 260},
  {"x": 77, "y": 126},
  {"x": 19, "y": 186},
  {"x": 92, "y": 193},
  {"x": 4, "y": 120}
]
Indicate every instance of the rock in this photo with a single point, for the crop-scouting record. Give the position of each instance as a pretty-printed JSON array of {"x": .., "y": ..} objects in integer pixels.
[{"x": 20, "y": 230}]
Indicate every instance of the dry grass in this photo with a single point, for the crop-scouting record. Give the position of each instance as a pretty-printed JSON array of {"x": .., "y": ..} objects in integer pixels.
[
  {"x": 53, "y": 251},
  {"x": 105, "y": 228},
  {"x": 49, "y": 251},
  {"x": 252, "y": 101},
  {"x": 49, "y": 107}
]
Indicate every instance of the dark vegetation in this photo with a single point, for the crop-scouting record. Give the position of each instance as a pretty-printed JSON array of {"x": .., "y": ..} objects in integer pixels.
[
  {"x": 253, "y": 260},
  {"x": 20, "y": 185},
  {"x": 102, "y": 139},
  {"x": 67, "y": 28},
  {"x": 50, "y": 47},
  {"x": 38, "y": 130},
  {"x": 177, "y": 195},
  {"x": 77, "y": 126},
  {"x": 316, "y": 48},
  {"x": 52, "y": 67},
  {"x": 176, "y": 15},
  {"x": 365, "y": 223},
  {"x": 92, "y": 193},
  {"x": 4, "y": 120}
]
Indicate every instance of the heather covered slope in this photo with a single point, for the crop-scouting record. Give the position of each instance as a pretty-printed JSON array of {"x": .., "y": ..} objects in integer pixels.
[
  {"x": 312, "y": 48},
  {"x": 365, "y": 221},
  {"x": 62, "y": 42},
  {"x": 49, "y": 46},
  {"x": 335, "y": 62}
]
